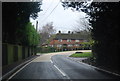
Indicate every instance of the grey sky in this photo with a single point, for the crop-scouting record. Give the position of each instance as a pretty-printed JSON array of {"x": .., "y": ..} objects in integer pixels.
[{"x": 64, "y": 20}]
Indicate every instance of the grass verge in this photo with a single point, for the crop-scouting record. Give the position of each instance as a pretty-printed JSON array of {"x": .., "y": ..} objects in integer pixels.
[{"x": 84, "y": 54}]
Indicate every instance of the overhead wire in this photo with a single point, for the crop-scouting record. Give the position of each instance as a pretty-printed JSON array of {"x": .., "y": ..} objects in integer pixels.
[
  {"x": 48, "y": 8},
  {"x": 51, "y": 12}
]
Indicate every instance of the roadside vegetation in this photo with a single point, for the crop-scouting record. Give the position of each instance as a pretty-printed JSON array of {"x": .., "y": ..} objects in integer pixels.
[
  {"x": 85, "y": 54},
  {"x": 19, "y": 37},
  {"x": 104, "y": 17}
]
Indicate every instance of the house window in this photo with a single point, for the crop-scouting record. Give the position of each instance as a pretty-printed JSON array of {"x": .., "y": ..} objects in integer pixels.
[
  {"x": 68, "y": 40},
  {"x": 76, "y": 44},
  {"x": 59, "y": 45},
  {"x": 70, "y": 45},
  {"x": 77, "y": 41},
  {"x": 52, "y": 46},
  {"x": 60, "y": 40},
  {"x": 80, "y": 44},
  {"x": 85, "y": 41}
]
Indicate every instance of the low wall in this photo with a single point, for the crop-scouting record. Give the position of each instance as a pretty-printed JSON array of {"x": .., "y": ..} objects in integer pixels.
[{"x": 13, "y": 53}]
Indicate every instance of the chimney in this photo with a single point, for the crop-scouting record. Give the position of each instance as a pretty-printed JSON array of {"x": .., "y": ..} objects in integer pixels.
[
  {"x": 72, "y": 32},
  {"x": 59, "y": 31},
  {"x": 68, "y": 32}
]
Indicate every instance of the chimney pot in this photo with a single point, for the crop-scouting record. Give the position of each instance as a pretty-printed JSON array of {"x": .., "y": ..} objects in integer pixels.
[
  {"x": 69, "y": 32},
  {"x": 59, "y": 32}
]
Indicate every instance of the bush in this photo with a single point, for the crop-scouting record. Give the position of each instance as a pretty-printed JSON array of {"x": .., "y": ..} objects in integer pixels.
[{"x": 45, "y": 49}]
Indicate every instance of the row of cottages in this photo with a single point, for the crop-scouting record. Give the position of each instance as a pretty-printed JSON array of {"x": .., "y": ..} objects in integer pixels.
[{"x": 67, "y": 41}]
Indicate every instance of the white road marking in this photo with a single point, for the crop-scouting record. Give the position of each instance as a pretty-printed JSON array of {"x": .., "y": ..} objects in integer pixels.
[
  {"x": 51, "y": 61},
  {"x": 63, "y": 73},
  {"x": 18, "y": 71},
  {"x": 60, "y": 70}
]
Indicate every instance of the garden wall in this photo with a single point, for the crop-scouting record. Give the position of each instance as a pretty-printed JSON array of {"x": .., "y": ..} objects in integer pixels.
[{"x": 13, "y": 53}]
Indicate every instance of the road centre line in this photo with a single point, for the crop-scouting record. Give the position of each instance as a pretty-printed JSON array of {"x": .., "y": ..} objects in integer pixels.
[
  {"x": 60, "y": 70},
  {"x": 65, "y": 75},
  {"x": 51, "y": 61}
]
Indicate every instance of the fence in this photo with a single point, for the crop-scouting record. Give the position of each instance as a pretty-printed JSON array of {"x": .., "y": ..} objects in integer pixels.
[{"x": 13, "y": 53}]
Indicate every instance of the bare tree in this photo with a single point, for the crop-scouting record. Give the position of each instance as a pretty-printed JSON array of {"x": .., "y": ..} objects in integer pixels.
[
  {"x": 46, "y": 32},
  {"x": 82, "y": 24},
  {"x": 83, "y": 28}
]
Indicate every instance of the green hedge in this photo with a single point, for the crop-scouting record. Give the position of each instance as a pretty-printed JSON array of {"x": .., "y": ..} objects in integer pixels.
[{"x": 46, "y": 49}]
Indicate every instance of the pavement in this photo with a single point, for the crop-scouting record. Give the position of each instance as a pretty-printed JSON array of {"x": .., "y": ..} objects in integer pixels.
[{"x": 58, "y": 66}]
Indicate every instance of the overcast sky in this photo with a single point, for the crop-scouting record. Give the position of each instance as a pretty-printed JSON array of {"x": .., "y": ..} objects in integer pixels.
[{"x": 53, "y": 11}]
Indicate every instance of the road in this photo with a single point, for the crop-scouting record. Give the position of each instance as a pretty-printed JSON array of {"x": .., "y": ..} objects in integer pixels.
[{"x": 58, "y": 66}]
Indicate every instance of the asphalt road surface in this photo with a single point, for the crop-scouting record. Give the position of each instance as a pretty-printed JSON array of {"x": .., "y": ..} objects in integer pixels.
[{"x": 58, "y": 66}]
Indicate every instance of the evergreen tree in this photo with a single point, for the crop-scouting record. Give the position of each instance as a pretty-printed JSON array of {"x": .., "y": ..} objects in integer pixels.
[{"x": 15, "y": 17}]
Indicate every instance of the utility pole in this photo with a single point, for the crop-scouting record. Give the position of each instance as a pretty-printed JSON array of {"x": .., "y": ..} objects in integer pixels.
[{"x": 36, "y": 25}]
